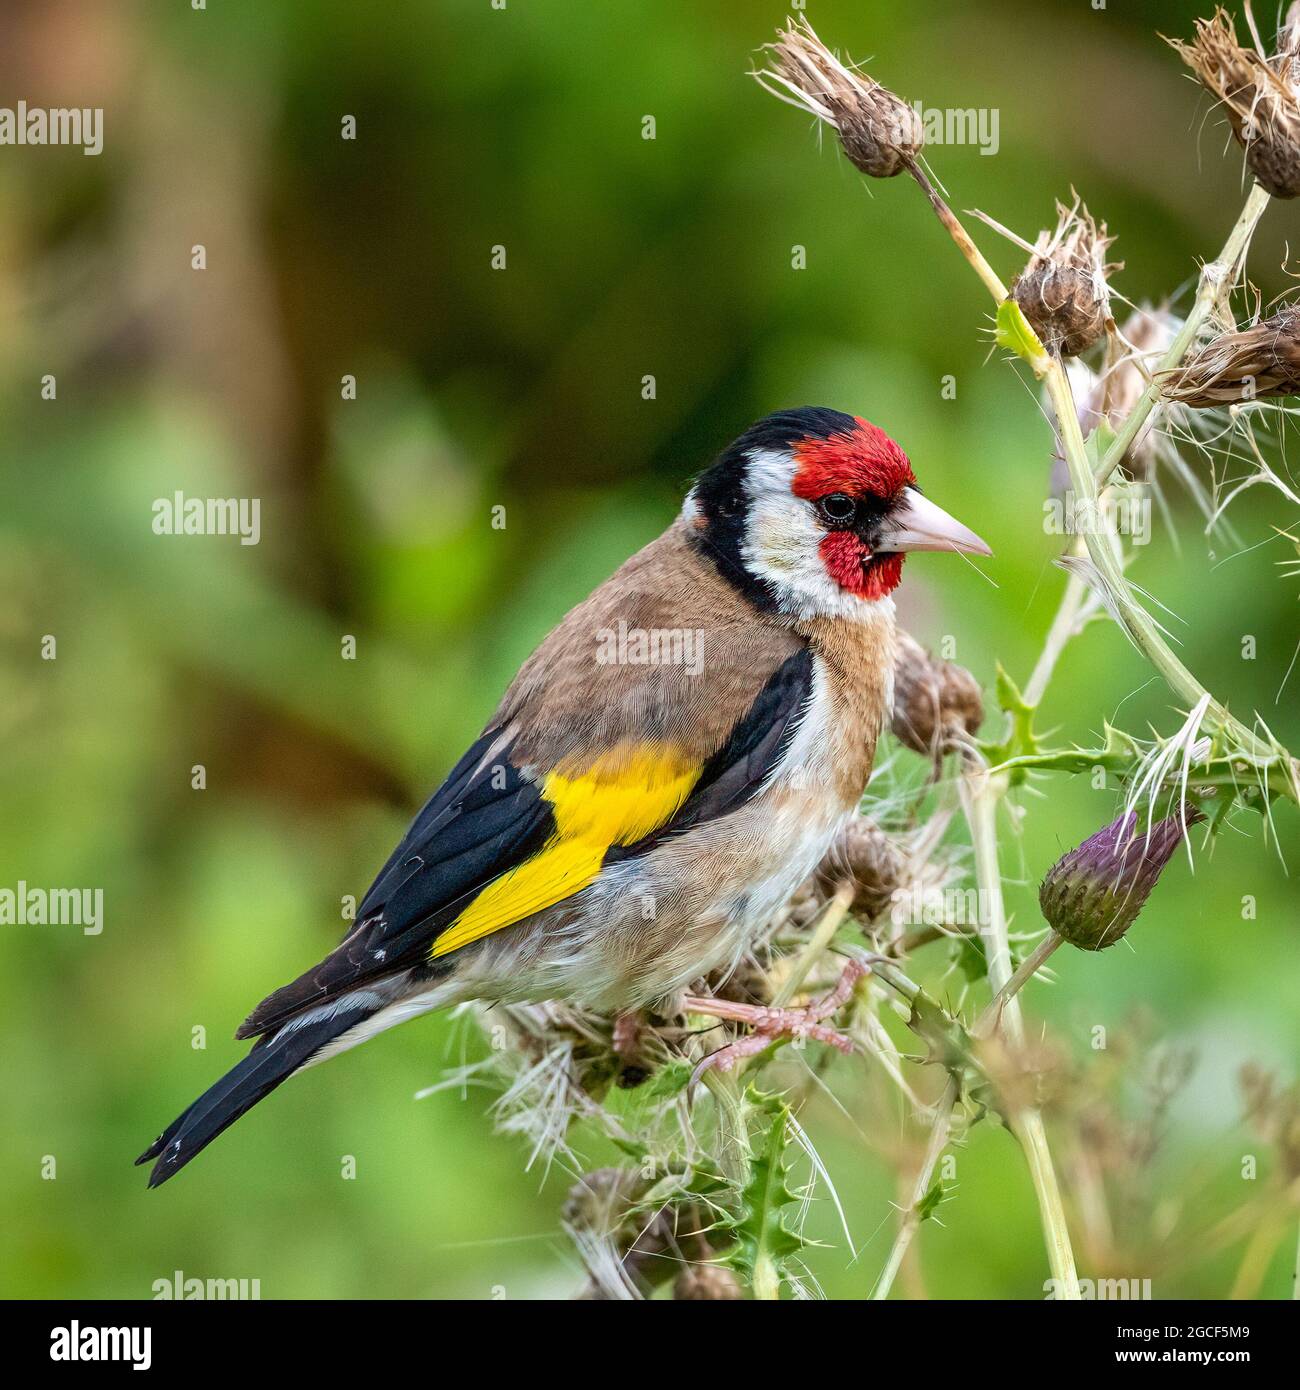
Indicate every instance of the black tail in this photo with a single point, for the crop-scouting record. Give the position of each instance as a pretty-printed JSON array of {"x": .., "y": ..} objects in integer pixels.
[{"x": 273, "y": 1060}]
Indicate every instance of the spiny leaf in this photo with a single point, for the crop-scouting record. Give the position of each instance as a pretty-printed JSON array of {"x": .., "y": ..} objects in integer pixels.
[
  {"x": 1015, "y": 334},
  {"x": 926, "y": 1207},
  {"x": 668, "y": 1081},
  {"x": 764, "y": 1244},
  {"x": 943, "y": 1036},
  {"x": 1021, "y": 739},
  {"x": 1226, "y": 774}
]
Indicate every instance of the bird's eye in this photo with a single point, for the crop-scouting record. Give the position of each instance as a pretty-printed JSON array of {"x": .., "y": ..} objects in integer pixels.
[{"x": 837, "y": 507}]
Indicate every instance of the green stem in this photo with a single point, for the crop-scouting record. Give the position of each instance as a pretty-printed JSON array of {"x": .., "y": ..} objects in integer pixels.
[
  {"x": 1065, "y": 626},
  {"x": 980, "y": 796},
  {"x": 1217, "y": 277},
  {"x": 824, "y": 933},
  {"x": 911, "y": 1221},
  {"x": 1105, "y": 556},
  {"x": 988, "y": 1021},
  {"x": 941, "y": 1128}
]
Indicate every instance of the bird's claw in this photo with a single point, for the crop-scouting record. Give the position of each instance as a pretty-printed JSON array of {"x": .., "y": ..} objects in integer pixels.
[{"x": 770, "y": 1023}]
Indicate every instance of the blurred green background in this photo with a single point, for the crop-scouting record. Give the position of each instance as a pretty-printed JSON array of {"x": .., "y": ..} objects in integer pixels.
[{"x": 521, "y": 388}]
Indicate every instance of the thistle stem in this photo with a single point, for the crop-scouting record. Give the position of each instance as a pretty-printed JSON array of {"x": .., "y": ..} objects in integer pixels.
[
  {"x": 1066, "y": 625},
  {"x": 823, "y": 934},
  {"x": 1217, "y": 277},
  {"x": 1141, "y": 627},
  {"x": 974, "y": 256},
  {"x": 1032, "y": 1134},
  {"x": 988, "y": 1021},
  {"x": 942, "y": 1127},
  {"x": 911, "y": 1220},
  {"x": 980, "y": 796}
]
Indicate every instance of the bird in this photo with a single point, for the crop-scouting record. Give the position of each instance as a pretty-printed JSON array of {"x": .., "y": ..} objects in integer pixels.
[{"x": 666, "y": 768}]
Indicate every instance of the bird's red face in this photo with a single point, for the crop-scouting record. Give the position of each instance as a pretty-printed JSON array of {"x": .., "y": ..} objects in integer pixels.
[
  {"x": 853, "y": 480},
  {"x": 811, "y": 512}
]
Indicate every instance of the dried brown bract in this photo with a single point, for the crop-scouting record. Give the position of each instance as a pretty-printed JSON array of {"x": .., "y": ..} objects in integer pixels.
[
  {"x": 1251, "y": 364},
  {"x": 1261, "y": 94},
  {"x": 937, "y": 705},
  {"x": 881, "y": 134},
  {"x": 875, "y": 864},
  {"x": 1063, "y": 290}
]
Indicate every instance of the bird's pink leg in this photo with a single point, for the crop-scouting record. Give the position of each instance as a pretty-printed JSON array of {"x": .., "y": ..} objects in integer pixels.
[{"x": 771, "y": 1023}]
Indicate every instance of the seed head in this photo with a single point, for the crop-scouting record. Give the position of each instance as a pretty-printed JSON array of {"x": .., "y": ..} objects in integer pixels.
[
  {"x": 600, "y": 1201},
  {"x": 1063, "y": 290},
  {"x": 865, "y": 855},
  {"x": 1093, "y": 894},
  {"x": 1261, "y": 94},
  {"x": 937, "y": 704},
  {"x": 881, "y": 134},
  {"x": 1251, "y": 364}
]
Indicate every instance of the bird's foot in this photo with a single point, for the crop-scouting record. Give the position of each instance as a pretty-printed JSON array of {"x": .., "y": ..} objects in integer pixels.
[
  {"x": 771, "y": 1023},
  {"x": 628, "y": 1041}
]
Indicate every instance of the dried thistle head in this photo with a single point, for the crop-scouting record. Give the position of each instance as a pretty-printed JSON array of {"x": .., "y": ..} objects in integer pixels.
[
  {"x": 937, "y": 704},
  {"x": 867, "y": 857},
  {"x": 881, "y": 134},
  {"x": 1250, "y": 364},
  {"x": 1261, "y": 94},
  {"x": 1063, "y": 290}
]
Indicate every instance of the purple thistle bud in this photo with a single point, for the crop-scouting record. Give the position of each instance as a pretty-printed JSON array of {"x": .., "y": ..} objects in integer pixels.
[{"x": 1092, "y": 895}]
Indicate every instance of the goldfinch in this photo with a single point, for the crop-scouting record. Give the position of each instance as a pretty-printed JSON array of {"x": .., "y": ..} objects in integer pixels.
[{"x": 664, "y": 771}]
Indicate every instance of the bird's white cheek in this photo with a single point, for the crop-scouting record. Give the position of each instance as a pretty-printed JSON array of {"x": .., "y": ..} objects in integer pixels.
[
  {"x": 782, "y": 546},
  {"x": 782, "y": 538}
]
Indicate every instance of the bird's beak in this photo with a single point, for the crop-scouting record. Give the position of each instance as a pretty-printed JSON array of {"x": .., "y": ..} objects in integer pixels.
[{"x": 915, "y": 523}]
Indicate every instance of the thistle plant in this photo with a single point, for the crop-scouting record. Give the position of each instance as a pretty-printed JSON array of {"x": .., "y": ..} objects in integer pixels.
[
  {"x": 1259, "y": 91},
  {"x": 1258, "y": 362},
  {"x": 1093, "y": 895},
  {"x": 711, "y": 1193}
]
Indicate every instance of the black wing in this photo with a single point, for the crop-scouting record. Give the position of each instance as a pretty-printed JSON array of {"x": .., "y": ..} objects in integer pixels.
[
  {"x": 488, "y": 817},
  {"x": 484, "y": 819}
]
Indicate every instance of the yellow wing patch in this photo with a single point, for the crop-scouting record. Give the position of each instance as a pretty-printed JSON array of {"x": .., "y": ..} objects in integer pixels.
[{"x": 624, "y": 795}]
